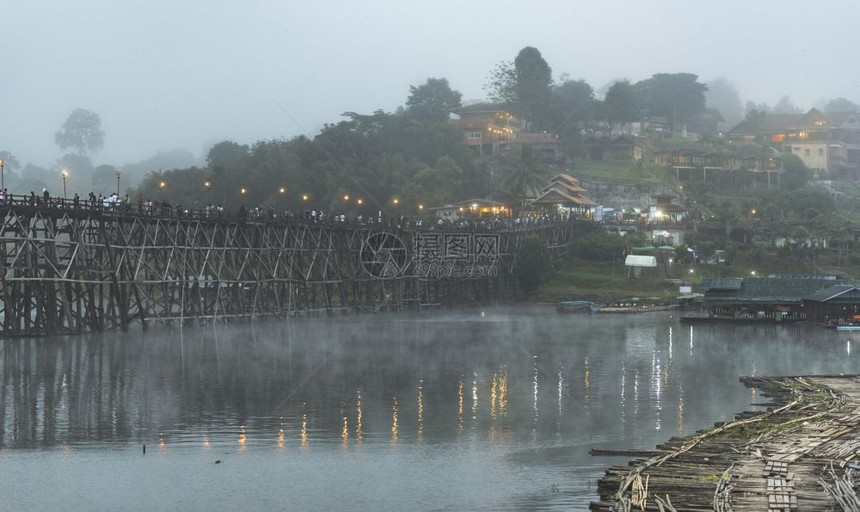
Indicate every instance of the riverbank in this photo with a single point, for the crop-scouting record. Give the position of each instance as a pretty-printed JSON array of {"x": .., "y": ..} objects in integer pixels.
[{"x": 803, "y": 453}]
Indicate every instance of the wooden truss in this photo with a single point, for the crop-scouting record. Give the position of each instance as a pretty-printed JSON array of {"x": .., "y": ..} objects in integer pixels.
[{"x": 77, "y": 271}]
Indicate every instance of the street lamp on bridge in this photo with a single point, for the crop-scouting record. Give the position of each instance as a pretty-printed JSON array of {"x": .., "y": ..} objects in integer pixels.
[
  {"x": 64, "y": 174},
  {"x": 2, "y": 181},
  {"x": 118, "y": 174}
]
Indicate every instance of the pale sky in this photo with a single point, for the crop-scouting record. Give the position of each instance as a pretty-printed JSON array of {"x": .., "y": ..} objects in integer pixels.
[{"x": 166, "y": 74}]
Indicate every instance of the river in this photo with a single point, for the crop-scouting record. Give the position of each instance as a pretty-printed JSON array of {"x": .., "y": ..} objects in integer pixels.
[{"x": 491, "y": 409}]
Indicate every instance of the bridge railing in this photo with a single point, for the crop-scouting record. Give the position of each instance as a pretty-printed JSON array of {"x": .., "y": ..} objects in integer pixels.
[{"x": 163, "y": 210}]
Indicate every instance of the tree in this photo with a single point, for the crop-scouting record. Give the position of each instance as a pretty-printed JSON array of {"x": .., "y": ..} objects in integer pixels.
[
  {"x": 133, "y": 173},
  {"x": 797, "y": 174},
  {"x": 501, "y": 83},
  {"x": 533, "y": 86},
  {"x": 533, "y": 264},
  {"x": 226, "y": 154},
  {"x": 754, "y": 117},
  {"x": 723, "y": 96},
  {"x": 525, "y": 84},
  {"x": 81, "y": 131},
  {"x": 433, "y": 101},
  {"x": 620, "y": 103},
  {"x": 758, "y": 108},
  {"x": 573, "y": 100},
  {"x": 785, "y": 106},
  {"x": 573, "y": 104},
  {"x": 525, "y": 176},
  {"x": 841, "y": 105},
  {"x": 678, "y": 97}
]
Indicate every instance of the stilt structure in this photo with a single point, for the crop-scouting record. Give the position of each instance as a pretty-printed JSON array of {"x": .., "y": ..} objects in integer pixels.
[{"x": 68, "y": 270}]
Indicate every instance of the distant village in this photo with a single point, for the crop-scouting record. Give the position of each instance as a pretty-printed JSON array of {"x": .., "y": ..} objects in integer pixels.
[{"x": 827, "y": 143}]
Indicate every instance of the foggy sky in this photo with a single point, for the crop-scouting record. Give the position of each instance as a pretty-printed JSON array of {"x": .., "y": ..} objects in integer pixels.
[{"x": 164, "y": 74}]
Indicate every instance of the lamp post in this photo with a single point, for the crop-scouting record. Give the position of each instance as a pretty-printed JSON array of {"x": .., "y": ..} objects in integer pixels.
[
  {"x": 118, "y": 174},
  {"x": 2, "y": 181},
  {"x": 64, "y": 174},
  {"x": 161, "y": 185}
]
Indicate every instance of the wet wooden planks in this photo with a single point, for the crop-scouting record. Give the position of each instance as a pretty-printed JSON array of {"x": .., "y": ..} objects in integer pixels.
[{"x": 772, "y": 461}]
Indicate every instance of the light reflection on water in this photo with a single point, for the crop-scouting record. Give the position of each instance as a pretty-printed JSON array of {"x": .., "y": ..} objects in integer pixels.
[{"x": 431, "y": 411}]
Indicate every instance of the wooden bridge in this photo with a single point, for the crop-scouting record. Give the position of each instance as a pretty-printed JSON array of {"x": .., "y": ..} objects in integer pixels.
[{"x": 70, "y": 268}]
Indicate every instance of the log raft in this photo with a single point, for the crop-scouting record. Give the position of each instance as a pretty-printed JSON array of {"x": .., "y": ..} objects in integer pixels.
[{"x": 801, "y": 454}]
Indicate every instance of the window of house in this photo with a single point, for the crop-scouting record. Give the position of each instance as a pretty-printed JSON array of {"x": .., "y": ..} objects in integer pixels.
[
  {"x": 820, "y": 152},
  {"x": 473, "y": 135}
]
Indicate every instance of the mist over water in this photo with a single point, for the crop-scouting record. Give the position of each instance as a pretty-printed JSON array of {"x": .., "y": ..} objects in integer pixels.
[{"x": 474, "y": 410}]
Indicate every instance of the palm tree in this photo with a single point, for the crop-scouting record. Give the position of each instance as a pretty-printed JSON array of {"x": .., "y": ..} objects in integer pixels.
[{"x": 524, "y": 174}]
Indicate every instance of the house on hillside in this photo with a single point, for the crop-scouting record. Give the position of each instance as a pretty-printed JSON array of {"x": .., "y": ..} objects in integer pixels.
[
  {"x": 491, "y": 129},
  {"x": 621, "y": 147},
  {"x": 756, "y": 159},
  {"x": 544, "y": 147},
  {"x": 690, "y": 161},
  {"x": 488, "y": 127},
  {"x": 825, "y": 141}
]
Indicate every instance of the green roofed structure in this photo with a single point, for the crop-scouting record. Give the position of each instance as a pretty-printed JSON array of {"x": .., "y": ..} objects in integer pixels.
[{"x": 821, "y": 299}]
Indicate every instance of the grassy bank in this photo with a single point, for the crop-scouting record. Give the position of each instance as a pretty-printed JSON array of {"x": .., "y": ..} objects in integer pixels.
[
  {"x": 602, "y": 282},
  {"x": 607, "y": 282}
]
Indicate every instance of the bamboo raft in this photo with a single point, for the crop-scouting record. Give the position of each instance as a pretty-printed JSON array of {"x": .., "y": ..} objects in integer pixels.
[{"x": 802, "y": 454}]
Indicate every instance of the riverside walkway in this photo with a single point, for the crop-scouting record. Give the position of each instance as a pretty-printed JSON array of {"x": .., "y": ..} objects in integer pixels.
[{"x": 803, "y": 454}]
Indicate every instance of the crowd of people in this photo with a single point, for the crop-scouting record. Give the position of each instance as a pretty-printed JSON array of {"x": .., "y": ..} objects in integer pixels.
[{"x": 116, "y": 204}]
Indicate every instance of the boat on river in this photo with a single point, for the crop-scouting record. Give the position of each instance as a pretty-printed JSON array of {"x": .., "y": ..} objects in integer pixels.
[{"x": 577, "y": 306}]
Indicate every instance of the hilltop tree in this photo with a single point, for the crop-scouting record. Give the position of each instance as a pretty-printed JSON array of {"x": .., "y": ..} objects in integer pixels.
[
  {"x": 573, "y": 103},
  {"x": 620, "y": 105},
  {"x": 533, "y": 86},
  {"x": 81, "y": 131},
  {"x": 678, "y": 97},
  {"x": 432, "y": 101},
  {"x": 758, "y": 108},
  {"x": 785, "y": 106},
  {"x": 841, "y": 105},
  {"x": 526, "y": 85}
]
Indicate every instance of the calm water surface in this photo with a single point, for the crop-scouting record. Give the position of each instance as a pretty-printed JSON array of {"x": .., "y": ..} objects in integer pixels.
[{"x": 492, "y": 410}]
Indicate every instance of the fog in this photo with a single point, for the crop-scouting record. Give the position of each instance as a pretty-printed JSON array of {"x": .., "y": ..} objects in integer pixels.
[{"x": 165, "y": 75}]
